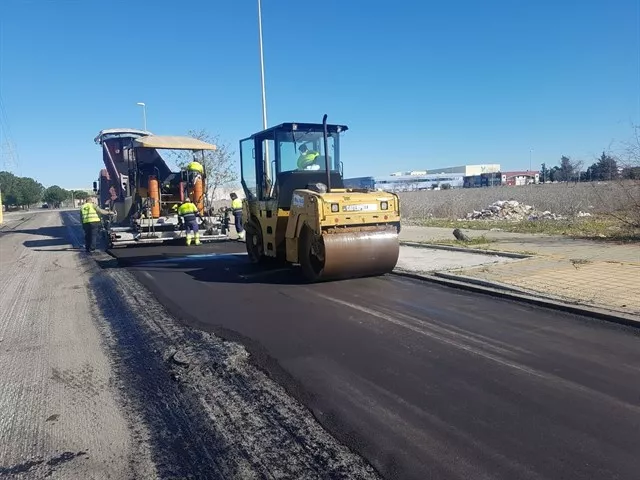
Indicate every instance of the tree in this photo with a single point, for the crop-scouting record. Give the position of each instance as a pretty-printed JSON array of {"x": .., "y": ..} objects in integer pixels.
[
  {"x": 20, "y": 191},
  {"x": 568, "y": 169},
  {"x": 30, "y": 190},
  {"x": 544, "y": 173},
  {"x": 555, "y": 175},
  {"x": 80, "y": 195},
  {"x": 55, "y": 195},
  {"x": 606, "y": 168},
  {"x": 218, "y": 164},
  {"x": 9, "y": 186}
]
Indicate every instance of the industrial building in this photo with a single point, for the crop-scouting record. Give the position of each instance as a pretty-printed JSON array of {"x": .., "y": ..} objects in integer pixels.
[{"x": 437, "y": 178}]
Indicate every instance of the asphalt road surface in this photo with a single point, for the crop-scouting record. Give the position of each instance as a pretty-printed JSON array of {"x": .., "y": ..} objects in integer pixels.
[{"x": 422, "y": 380}]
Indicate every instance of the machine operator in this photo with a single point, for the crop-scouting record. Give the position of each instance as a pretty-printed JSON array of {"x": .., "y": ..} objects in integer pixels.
[
  {"x": 188, "y": 213},
  {"x": 307, "y": 158}
]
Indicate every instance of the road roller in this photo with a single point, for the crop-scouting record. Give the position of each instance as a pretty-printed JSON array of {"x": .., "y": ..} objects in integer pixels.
[{"x": 297, "y": 211}]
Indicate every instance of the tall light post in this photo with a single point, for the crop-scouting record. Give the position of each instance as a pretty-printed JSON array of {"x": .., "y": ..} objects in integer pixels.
[
  {"x": 144, "y": 114},
  {"x": 267, "y": 163},
  {"x": 264, "y": 97},
  {"x": 530, "y": 151}
]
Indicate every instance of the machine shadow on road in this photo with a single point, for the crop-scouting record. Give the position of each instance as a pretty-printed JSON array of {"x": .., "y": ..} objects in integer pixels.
[
  {"x": 58, "y": 235},
  {"x": 217, "y": 268}
]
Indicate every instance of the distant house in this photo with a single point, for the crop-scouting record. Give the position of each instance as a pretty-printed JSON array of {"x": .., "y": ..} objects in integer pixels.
[{"x": 520, "y": 178}]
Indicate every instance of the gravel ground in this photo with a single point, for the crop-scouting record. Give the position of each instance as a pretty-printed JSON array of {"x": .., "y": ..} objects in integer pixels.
[
  {"x": 60, "y": 411},
  {"x": 102, "y": 383}
]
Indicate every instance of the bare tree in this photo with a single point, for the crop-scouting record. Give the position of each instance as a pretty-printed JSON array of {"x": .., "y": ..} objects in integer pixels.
[
  {"x": 628, "y": 159},
  {"x": 218, "y": 164}
]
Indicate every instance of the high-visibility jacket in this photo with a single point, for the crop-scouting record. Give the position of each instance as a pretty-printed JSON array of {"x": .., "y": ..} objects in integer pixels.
[
  {"x": 195, "y": 167},
  {"x": 89, "y": 213},
  {"x": 236, "y": 204},
  {"x": 188, "y": 211},
  {"x": 307, "y": 158}
]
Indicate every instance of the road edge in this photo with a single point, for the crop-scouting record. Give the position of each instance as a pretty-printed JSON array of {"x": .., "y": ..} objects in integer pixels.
[
  {"x": 503, "y": 291},
  {"x": 496, "y": 253}
]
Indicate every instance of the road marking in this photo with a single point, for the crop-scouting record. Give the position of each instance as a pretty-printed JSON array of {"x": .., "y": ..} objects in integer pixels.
[
  {"x": 536, "y": 373},
  {"x": 148, "y": 275}
]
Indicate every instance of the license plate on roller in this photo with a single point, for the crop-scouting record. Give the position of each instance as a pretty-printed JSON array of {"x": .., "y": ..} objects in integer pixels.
[{"x": 365, "y": 207}]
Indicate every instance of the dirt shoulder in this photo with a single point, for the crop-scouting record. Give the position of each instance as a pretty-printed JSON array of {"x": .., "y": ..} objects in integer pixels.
[{"x": 60, "y": 409}]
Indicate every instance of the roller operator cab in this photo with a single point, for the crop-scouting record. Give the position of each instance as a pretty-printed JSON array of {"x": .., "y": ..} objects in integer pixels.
[{"x": 297, "y": 210}]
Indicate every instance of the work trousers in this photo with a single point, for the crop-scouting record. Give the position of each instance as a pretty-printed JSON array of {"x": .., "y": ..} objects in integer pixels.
[
  {"x": 191, "y": 225},
  {"x": 91, "y": 230},
  {"x": 237, "y": 215}
]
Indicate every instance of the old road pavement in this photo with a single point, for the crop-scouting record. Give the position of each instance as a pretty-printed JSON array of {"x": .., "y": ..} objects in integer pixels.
[
  {"x": 423, "y": 381},
  {"x": 176, "y": 362}
]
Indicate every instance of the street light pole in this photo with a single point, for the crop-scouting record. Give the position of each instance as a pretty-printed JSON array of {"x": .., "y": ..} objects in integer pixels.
[
  {"x": 264, "y": 97},
  {"x": 267, "y": 163},
  {"x": 144, "y": 114}
]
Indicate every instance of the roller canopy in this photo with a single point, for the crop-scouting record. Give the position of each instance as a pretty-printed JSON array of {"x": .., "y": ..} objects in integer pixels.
[{"x": 172, "y": 143}]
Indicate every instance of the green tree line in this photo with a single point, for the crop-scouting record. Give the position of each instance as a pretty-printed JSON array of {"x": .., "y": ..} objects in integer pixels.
[
  {"x": 625, "y": 166},
  {"x": 605, "y": 168},
  {"x": 25, "y": 192}
]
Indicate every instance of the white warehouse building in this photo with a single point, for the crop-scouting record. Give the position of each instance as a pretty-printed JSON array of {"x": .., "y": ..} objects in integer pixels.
[
  {"x": 433, "y": 178},
  {"x": 468, "y": 170}
]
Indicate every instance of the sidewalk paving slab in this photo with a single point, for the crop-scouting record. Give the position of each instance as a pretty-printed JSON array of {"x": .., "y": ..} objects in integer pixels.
[{"x": 593, "y": 273}]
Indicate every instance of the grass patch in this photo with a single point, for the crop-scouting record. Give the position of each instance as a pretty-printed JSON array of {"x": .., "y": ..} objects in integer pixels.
[{"x": 596, "y": 228}]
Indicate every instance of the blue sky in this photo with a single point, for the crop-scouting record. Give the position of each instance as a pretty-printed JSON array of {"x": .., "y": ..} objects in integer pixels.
[{"x": 420, "y": 84}]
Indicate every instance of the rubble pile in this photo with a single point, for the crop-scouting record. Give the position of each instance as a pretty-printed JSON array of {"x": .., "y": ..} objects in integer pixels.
[{"x": 511, "y": 211}]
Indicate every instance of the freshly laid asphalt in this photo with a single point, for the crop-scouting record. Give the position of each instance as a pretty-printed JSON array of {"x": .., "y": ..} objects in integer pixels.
[{"x": 422, "y": 380}]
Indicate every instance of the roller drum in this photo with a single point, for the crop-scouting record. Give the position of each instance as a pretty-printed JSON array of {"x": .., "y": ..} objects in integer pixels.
[{"x": 348, "y": 255}]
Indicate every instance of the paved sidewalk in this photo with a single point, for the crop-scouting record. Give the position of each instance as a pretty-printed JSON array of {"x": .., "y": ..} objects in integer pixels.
[{"x": 595, "y": 273}]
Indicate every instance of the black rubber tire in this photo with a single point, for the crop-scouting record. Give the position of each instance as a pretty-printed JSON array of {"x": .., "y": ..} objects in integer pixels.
[
  {"x": 254, "y": 243},
  {"x": 311, "y": 266}
]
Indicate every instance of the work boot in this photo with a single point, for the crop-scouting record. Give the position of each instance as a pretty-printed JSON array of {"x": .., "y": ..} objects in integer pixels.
[
  {"x": 188, "y": 240},
  {"x": 197, "y": 239},
  {"x": 241, "y": 235}
]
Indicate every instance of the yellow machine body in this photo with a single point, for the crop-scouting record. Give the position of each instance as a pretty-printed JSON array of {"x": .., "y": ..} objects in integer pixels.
[{"x": 340, "y": 233}]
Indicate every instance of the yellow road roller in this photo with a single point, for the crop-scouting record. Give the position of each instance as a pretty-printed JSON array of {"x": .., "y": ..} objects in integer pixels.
[{"x": 297, "y": 211}]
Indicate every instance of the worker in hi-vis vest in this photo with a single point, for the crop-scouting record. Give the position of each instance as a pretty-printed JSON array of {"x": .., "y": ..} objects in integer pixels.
[
  {"x": 189, "y": 214},
  {"x": 307, "y": 159},
  {"x": 90, "y": 215},
  {"x": 194, "y": 170},
  {"x": 236, "y": 208}
]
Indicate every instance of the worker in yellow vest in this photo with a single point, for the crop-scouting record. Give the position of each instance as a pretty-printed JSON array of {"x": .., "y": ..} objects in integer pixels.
[
  {"x": 90, "y": 215},
  {"x": 195, "y": 166},
  {"x": 307, "y": 159},
  {"x": 236, "y": 208},
  {"x": 194, "y": 170},
  {"x": 189, "y": 214}
]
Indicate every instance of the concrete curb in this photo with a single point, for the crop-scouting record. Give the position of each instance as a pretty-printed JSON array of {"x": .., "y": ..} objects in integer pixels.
[
  {"x": 503, "y": 291},
  {"x": 480, "y": 251}
]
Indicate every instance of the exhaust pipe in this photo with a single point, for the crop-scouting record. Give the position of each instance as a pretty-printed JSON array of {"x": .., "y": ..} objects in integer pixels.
[{"x": 326, "y": 152}]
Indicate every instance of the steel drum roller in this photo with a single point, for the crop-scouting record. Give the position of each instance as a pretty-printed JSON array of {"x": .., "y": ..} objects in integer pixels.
[{"x": 350, "y": 254}]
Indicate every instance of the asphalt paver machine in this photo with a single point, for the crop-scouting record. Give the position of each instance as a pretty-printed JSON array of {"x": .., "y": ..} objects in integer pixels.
[
  {"x": 299, "y": 212},
  {"x": 140, "y": 188}
]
